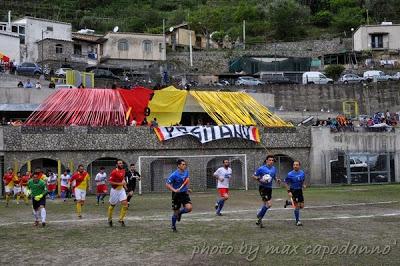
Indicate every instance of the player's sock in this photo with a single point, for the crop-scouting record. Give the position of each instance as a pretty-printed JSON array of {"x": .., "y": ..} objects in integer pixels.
[
  {"x": 43, "y": 215},
  {"x": 18, "y": 197},
  {"x": 7, "y": 199},
  {"x": 129, "y": 198},
  {"x": 103, "y": 197},
  {"x": 98, "y": 199},
  {"x": 173, "y": 220},
  {"x": 122, "y": 213},
  {"x": 220, "y": 205},
  {"x": 36, "y": 215},
  {"x": 262, "y": 212},
  {"x": 110, "y": 212},
  {"x": 182, "y": 211},
  {"x": 78, "y": 209},
  {"x": 26, "y": 199},
  {"x": 297, "y": 214}
]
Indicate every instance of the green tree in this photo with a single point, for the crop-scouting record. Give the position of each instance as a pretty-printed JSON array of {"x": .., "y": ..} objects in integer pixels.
[
  {"x": 287, "y": 18},
  {"x": 322, "y": 18},
  {"x": 348, "y": 18},
  {"x": 334, "y": 71}
]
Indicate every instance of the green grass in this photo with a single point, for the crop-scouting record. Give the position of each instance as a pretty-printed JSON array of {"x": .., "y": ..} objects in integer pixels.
[{"x": 147, "y": 239}]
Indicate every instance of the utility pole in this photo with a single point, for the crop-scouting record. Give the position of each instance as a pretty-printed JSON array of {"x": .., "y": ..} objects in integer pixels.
[
  {"x": 244, "y": 34},
  {"x": 190, "y": 49},
  {"x": 275, "y": 56},
  {"x": 164, "y": 41}
]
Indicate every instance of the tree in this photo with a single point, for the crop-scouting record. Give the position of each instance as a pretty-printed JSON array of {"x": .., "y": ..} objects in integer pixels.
[
  {"x": 334, "y": 71},
  {"x": 287, "y": 18},
  {"x": 322, "y": 18},
  {"x": 348, "y": 18}
]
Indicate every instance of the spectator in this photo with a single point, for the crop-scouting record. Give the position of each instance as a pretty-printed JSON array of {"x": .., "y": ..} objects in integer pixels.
[
  {"x": 52, "y": 85},
  {"x": 28, "y": 84},
  {"x": 328, "y": 122},
  {"x": 81, "y": 86},
  {"x": 38, "y": 85},
  {"x": 20, "y": 84},
  {"x": 3, "y": 121},
  {"x": 154, "y": 123},
  {"x": 114, "y": 86},
  {"x": 370, "y": 122},
  {"x": 144, "y": 122},
  {"x": 387, "y": 115}
]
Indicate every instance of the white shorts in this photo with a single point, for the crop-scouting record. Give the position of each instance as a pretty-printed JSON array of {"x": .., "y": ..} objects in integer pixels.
[
  {"x": 25, "y": 190},
  {"x": 117, "y": 196},
  {"x": 17, "y": 190},
  {"x": 80, "y": 194},
  {"x": 8, "y": 189}
]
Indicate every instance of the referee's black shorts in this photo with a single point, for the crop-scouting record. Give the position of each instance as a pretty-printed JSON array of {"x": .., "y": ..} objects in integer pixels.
[
  {"x": 180, "y": 199},
  {"x": 265, "y": 193},
  {"x": 297, "y": 195}
]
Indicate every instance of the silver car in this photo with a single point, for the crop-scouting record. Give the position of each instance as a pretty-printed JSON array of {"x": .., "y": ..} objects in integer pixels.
[
  {"x": 351, "y": 78},
  {"x": 249, "y": 81}
]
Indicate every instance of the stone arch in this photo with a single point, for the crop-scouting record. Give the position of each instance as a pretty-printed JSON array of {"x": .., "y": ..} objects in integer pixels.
[
  {"x": 43, "y": 163},
  {"x": 237, "y": 180},
  {"x": 109, "y": 163}
]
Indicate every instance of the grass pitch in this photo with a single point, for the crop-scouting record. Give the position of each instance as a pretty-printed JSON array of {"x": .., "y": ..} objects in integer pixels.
[{"x": 348, "y": 225}]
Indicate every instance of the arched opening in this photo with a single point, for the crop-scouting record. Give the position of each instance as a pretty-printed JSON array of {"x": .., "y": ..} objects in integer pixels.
[
  {"x": 160, "y": 169},
  {"x": 237, "y": 180},
  {"x": 44, "y": 164},
  {"x": 283, "y": 164},
  {"x": 109, "y": 163}
]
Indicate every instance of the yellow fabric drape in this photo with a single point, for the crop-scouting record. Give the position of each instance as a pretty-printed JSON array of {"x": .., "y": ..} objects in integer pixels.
[
  {"x": 167, "y": 106},
  {"x": 236, "y": 108}
]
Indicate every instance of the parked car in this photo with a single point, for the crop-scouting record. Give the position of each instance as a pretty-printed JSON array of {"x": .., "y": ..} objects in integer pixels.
[
  {"x": 249, "y": 81},
  {"x": 316, "y": 78},
  {"x": 61, "y": 72},
  {"x": 351, "y": 78},
  {"x": 104, "y": 73},
  {"x": 377, "y": 75},
  {"x": 27, "y": 68},
  {"x": 279, "y": 80},
  {"x": 396, "y": 76},
  {"x": 65, "y": 86}
]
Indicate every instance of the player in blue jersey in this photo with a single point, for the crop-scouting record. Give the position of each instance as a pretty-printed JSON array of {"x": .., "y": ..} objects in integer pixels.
[
  {"x": 264, "y": 175},
  {"x": 294, "y": 183},
  {"x": 178, "y": 184}
]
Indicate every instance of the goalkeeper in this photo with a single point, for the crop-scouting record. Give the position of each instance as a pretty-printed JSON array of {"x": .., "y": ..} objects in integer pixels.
[
  {"x": 265, "y": 175},
  {"x": 38, "y": 190}
]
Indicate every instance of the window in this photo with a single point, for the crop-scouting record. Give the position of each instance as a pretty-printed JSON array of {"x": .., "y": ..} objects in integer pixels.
[
  {"x": 59, "y": 48},
  {"x": 49, "y": 28},
  {"x": 123, "y": 45},
  {"x": 160, "y": 47},
  {"x": 77, "y": 49},
  {"x": 147, "y": 46},
  {"x": 377, "y": 41},
  {"x": 14, "y": 29},
  {"x": 21, "y": 30}
]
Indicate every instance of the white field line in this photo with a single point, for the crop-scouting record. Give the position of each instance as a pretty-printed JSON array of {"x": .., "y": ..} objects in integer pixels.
[{"x": 192, "y": 217}]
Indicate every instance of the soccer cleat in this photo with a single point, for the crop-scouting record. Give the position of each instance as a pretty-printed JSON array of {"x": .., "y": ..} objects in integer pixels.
[
  {"x": 219, "y": 214},
  {"x": 97, "y": 204},
  {"x": 122, "y": 223},
  {"x": 102, "y": 202},
  {"x": 287, "y": 203},
  {"x": 110, "y": 223},
  {"x": 216, "y": 206},
  {"x": 17, "y": 202},
  {"x": 80, "y": 216},
  {"x": 36, "y": 223},
  {"x": 174, "y": 229},
  {"x": 298, "y": 223},
  {"x": 43, "y": 224},
  {"x": 129, "y": 204},
  {"x": 259, "y": 223}
]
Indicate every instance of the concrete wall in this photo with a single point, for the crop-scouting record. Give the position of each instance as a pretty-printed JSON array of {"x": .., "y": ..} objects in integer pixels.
[
  {"x": 21, "y": 95},
  {"x": 135, "y": 46},
  {"x": 321, "y": 155},
  {"x": 9, "y": 45},
  {"x": 391, "y": 38}
]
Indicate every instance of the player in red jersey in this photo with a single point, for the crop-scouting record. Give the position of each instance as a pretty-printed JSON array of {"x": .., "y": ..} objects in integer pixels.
[
  {"x": 24, "y": 183},
  {"x": 81, "y": 178},
  {"x": 117, "y": 193},
  {"x": 8, "y": 180}
]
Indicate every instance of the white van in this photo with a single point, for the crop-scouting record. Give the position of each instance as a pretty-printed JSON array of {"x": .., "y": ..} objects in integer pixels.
[
  {"x": 377, "y": 75},
  {"x": 316, "y": 78}
]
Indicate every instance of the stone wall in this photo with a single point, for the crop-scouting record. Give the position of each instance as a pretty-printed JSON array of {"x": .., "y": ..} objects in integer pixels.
[
  {"x": 82, "y": 145},
  {"x": 217, "y": 61}
]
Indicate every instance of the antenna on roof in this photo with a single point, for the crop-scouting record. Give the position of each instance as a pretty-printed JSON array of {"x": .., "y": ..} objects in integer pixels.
[{"x": 116, "y": 28}]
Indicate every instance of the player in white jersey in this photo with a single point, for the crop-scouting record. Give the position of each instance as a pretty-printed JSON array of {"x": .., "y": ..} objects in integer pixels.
[
  {"x": 52, "y": 184},
  {"x": 65, "y": 177},
  {"x": 101, "y": 186},
  {"x": 223, "y": 174}
]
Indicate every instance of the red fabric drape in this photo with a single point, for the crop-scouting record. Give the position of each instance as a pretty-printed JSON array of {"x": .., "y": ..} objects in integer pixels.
[{"x": 137, "y": 99}]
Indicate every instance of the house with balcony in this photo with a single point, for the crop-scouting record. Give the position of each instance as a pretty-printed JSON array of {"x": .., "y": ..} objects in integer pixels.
[{"x": 383, "y": 37}]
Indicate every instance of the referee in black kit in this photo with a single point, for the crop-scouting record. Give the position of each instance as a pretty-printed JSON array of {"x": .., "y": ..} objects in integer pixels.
[{"x": 130, "y": 177}]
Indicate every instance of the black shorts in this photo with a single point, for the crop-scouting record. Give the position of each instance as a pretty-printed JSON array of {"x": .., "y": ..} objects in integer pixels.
[
  {"x": 180, "y": 198},
  {"x": 131, "y": 186},
  {"x": 297, "y": 195},
  {"x": 37, "y": 204},
  {"x": 265, "y": 193}
]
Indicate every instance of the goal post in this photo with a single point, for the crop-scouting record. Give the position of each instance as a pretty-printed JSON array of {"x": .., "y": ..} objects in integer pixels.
[{"x": 155, "y": 169}]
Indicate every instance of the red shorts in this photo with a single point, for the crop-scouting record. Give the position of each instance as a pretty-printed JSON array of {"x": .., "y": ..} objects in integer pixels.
[
  {"x": 63, "y": 189},
  {"x": 102, "y": 189},
  {"x": 51, "y": 187},
  {"x": 223, "y": 191}
]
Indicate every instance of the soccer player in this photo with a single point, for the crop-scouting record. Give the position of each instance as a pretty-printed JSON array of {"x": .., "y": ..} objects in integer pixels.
[
  {"x": 223, "y": 174},
  {"x": 24, "y": 183},
  {"x": 17, "y": 187},
  {"x": 65, "y": 177},
  {"x": 294, "y": 183},
  {"x": 101, "y": 186},
  {"x": 265, "y": 175},
  {"x": 8, "y": 180},
  {"x": 81, "y": 178},
  {"x": 39, "y": 190},
  {"x": 131, "y": 176},
  {"x": 51, "y": 184},
  {"x": 178, "y": 184},
  {"x": 117, "y": 193}
]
